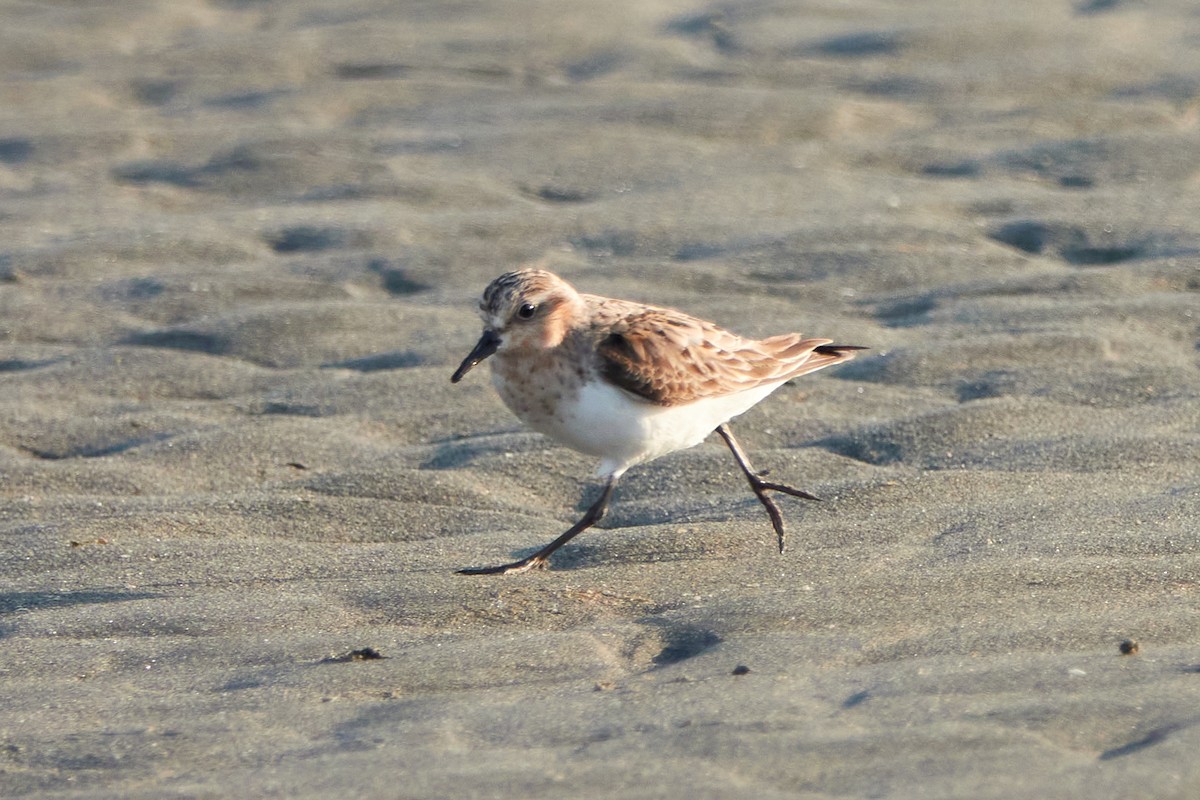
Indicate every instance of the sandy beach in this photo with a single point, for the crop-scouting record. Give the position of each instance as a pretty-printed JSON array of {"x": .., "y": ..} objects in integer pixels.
[{"x": 241, "y": 246}]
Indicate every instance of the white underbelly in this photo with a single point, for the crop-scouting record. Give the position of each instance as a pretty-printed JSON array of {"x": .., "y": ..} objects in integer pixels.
[{"x": 606, "y": 422}]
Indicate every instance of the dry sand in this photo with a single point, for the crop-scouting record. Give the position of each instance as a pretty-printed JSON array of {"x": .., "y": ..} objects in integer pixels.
[{"x": 240, "y": 244}]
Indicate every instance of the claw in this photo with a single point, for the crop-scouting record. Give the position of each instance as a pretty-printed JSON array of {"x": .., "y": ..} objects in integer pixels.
[{"x": 516, "y": 567}]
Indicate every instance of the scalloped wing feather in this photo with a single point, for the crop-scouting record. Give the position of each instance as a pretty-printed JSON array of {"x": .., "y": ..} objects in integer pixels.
[{"x": 670, "y": 358}]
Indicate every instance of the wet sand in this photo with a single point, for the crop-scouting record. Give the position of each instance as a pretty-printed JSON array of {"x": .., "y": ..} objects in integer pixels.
[{"x": 240, "y": 248}]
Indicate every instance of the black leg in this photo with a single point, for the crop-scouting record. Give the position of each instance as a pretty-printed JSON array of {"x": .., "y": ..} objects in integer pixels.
[
  {"x": 539, "y": 559},
  {"x": 760, "y": 486}
]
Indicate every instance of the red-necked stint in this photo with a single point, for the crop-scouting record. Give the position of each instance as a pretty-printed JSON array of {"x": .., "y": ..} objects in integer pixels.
[{"x": 628, "y": 382}]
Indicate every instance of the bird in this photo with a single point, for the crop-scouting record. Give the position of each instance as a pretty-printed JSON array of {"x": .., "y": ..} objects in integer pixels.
[{"x": 627, "y": 382}]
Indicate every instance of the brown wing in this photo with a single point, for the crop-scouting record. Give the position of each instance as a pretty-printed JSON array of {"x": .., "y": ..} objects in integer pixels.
[{"x": 670, "y": 358}]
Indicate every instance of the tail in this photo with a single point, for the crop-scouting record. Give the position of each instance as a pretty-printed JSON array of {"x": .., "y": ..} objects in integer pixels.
[
  {"x": 791, "y": 356},
  {"x": 842, "y": 352},
  {"x": 827, "y": 355}
]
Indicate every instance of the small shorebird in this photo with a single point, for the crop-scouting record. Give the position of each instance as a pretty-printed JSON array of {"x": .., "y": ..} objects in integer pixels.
[{"x": 628, "y": 382}]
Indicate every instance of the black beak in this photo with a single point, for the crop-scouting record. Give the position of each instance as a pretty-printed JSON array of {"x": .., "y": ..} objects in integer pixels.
[{"x": 486, "y": 345}]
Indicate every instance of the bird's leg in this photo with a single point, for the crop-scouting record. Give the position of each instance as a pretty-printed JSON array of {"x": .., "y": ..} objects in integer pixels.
[
  {"x": 539, "y": 559},
  {"x": 760, "y": 486}
]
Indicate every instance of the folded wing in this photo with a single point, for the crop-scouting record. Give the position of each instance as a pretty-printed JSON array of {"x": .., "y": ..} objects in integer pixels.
[{"x": 670, "y": 358}]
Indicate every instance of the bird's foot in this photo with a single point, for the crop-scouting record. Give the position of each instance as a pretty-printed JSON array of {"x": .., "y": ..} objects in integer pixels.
[
  {"x": 761, "y": 488},
  {"x": 516, "y": 567},
  {"x": 782, "y": 487}
]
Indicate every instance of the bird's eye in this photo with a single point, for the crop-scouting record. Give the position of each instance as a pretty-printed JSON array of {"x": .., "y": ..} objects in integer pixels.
[{"x": 527, "y": 311}]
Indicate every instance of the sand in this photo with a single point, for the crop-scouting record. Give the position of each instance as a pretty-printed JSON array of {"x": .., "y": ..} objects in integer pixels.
[{"x": 240, "y": 248}]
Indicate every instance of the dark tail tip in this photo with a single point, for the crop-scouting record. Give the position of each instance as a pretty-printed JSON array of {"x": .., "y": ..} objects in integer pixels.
[{"x": 837, "y": 349}]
